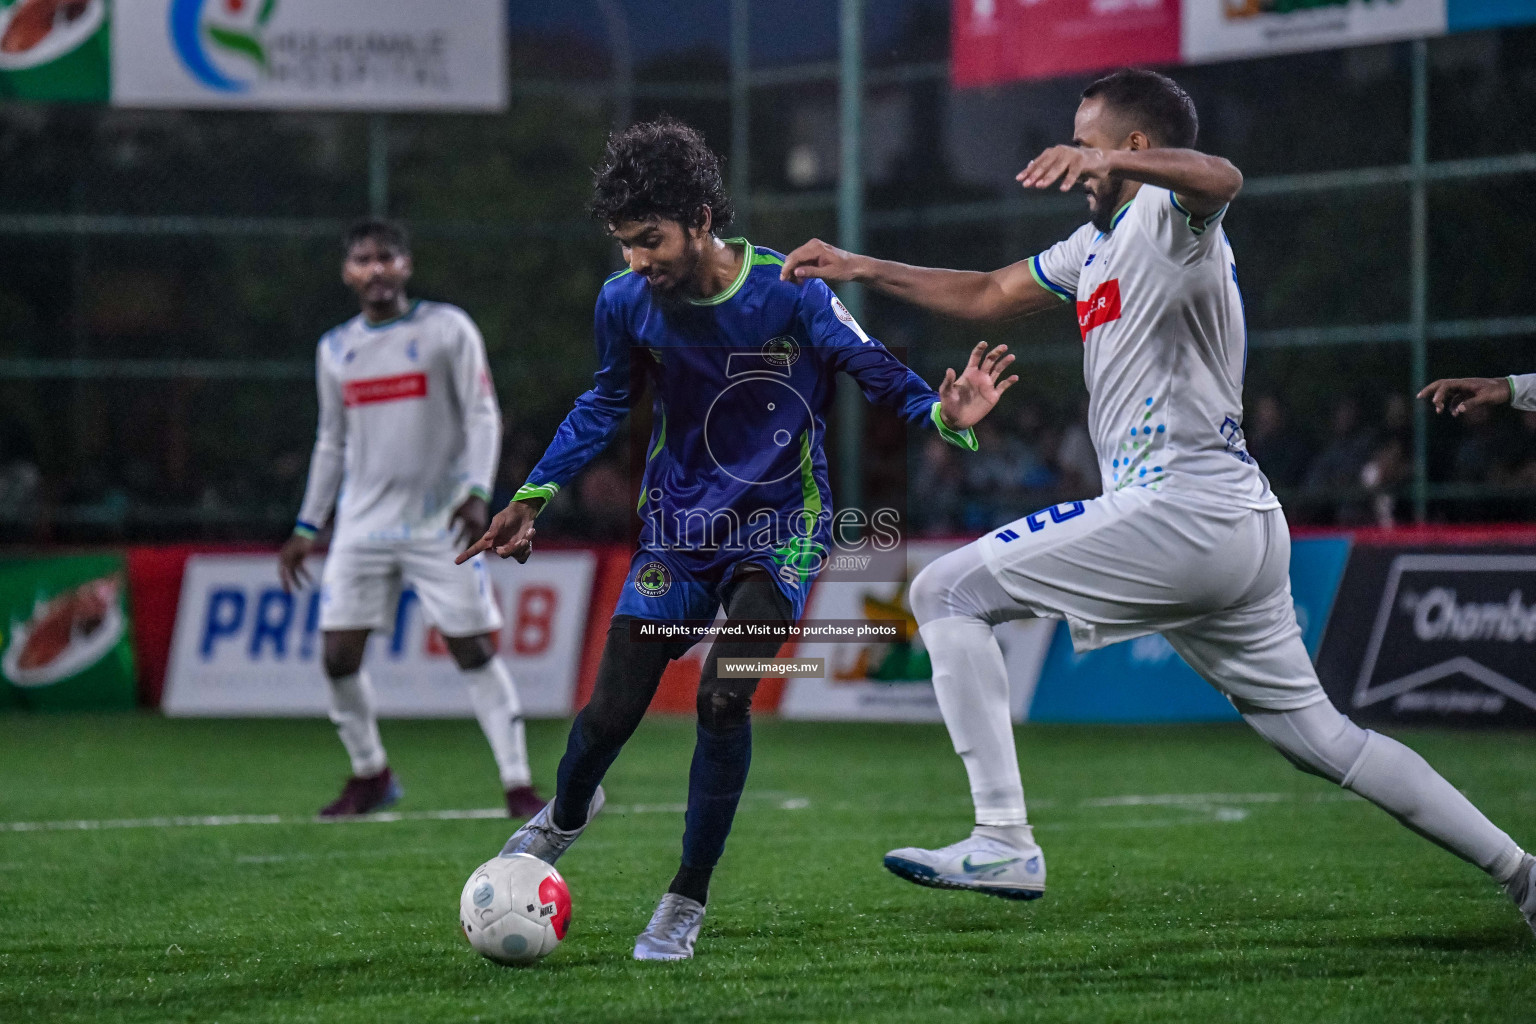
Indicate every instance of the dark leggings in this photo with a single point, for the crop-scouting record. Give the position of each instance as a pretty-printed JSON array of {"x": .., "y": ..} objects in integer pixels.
[{"x": 627, "y": 678}]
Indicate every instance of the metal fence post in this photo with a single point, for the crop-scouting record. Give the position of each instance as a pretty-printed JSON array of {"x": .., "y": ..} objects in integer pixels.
[
  {"x": 850, "y": 235},
  {"x": 741, "y": 114},
  {"x": 378, "y": 165},
  {"x": 1418, "y": 314}
]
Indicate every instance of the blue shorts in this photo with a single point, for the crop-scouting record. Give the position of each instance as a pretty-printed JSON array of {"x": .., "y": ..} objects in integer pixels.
[{"x": 659, "y": 588}]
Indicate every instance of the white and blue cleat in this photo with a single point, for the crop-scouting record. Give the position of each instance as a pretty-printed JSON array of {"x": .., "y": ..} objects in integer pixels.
[
  {"x": 540, "y": 838},
  {"x": 672, "y": 931},
  {"x": 1522, "y": 889},
  {"x": 978, "y": 863}
]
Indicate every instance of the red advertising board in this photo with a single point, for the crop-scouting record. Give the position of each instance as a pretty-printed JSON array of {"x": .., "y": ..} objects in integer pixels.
[{"x": 996, "y": 41}]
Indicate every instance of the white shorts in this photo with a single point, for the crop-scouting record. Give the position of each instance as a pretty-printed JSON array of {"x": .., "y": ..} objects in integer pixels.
[
  {"x": 361, "y": 583},
  {"x": 1214, "y": 579}
]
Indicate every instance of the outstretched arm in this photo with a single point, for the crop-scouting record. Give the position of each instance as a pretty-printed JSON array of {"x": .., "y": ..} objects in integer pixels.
[
  {"x": 1201, "y": 183},
  {"x": 585, "y": 432},
  {"x": 1004, "y": 294},
  {"x": 1463, "y": 393}
]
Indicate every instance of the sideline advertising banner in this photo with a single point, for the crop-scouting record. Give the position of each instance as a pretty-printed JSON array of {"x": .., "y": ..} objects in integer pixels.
[
  {"x": 1435, "y": 636},
  {"x": 997, "y": 41},
  {"x": 244, "y": 647},
  {"x": 1144, "y": 680},
  {"x": 52, "y": 50},
  {"x": 67, "y": 634},
  {"x": 310, "y": 54},
  {"x": 892, "y": 682}
]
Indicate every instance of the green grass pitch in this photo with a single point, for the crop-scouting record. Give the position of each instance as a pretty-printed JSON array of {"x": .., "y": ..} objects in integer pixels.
[{"x": 1194, "y": 876}]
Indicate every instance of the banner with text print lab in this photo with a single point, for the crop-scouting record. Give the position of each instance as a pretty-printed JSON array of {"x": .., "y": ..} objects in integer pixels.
[
  {"x": 244, "y": 647},
  {"x": 67, "y": 640},
  {"x": 52, "y": 50},
  {"x": 892, "y": 682},
  {"x": 325, "y": 54},
  {"x": 1225, "y": 29},
  {"x": 997, "y": 41}
]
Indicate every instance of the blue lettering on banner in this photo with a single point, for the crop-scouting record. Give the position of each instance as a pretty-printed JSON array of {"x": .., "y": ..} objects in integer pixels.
[
  {"x": 270, "y": 627},
  {"x": 1073, "y": 509},
  {"x": 311, "y": 627},
  {"x": 226, "y": 614},
  {"x": 1007, "y": 535}
]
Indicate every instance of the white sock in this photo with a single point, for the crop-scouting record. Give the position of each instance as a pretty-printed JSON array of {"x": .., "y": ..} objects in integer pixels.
[
  {"x": 971, "y": 684},
  {"x": 1404, "y": 785},
  {"x": 356, "y": 724},
  {"x": 501, "y": 719}
]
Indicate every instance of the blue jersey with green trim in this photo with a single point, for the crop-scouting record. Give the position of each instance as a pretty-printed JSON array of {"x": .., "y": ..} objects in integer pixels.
[{"x": 740, "y": 388}]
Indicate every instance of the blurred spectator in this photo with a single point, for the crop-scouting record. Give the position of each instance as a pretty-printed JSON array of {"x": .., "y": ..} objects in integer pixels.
[
  {"x": 934, "y": 501},
  {"x": 1283, "y": 452},
  {"x": 604, "y": 494},
  {"x": 20, "y": 478},
  {"x": 1075, "y": 457}
]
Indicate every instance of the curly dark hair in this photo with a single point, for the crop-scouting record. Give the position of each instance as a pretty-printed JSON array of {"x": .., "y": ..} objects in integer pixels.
[
  {"x": 388, "y": 233},
  {"x": 1155, "y": 103},
  {"x": 661, "y": 169}
]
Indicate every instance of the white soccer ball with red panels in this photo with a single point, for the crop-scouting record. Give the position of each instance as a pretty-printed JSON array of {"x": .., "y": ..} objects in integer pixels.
[{"x": 515, "y": 910}]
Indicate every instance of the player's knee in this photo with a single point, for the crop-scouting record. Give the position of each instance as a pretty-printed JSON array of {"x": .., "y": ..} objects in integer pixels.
[
  {"x": 723, "y": 707},
  {"x": 471, "y": 652},
  {"x": 341, "y": 658},
  {"x": 930, "y": 594}
]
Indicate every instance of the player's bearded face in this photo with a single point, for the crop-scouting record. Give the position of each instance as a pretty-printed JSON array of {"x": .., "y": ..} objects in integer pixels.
[
  {"x": 375, "y": 271},
  {"x": 1104, "y": 200}
]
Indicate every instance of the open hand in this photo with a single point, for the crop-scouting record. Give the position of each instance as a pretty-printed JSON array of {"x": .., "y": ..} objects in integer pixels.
[
  {"x": 966, "y": 399},
  {"x": 1069, "y": 163},
  {"x": 1463, "y": 393},
  {"x": 291, "y": 570},
  {"x": 818, "y": 259},
  {"x": 510, "y": 534}
]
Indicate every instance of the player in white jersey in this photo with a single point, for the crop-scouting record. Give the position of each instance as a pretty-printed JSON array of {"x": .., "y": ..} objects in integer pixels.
[
  {"x": 405, "y": 455},
  {"x": 1187, "y": 538}
]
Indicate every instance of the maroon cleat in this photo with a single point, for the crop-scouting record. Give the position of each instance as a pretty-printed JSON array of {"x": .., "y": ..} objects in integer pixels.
[
  {"x": 524, "y": 802},
  {"x": 364, "y": 796}
]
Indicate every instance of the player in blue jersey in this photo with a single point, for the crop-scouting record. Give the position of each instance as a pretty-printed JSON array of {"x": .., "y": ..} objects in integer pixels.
[{"x": 735, "y": 507}]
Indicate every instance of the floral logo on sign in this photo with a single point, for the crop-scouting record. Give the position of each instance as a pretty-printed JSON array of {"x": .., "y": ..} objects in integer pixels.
[{"x": 228, "y": 28}]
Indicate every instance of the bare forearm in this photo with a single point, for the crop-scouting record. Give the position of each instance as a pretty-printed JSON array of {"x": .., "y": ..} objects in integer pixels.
[
  {"x": 1210, "y": 180},
  {"x": 963, "y": 294}
]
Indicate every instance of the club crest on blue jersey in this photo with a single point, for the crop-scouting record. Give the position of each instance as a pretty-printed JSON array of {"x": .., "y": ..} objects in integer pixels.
[
  {"x": 653, "y": 580},
  {"x": 781, "y": 351}
]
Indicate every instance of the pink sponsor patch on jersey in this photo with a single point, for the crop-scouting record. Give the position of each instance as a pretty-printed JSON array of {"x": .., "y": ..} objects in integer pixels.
[
  {"x": 1102, "y": 307},
  {"x": 388, "y": 389}
]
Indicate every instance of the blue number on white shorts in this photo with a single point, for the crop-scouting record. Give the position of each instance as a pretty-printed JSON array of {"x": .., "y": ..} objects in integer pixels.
[{"x": 1059, "y": 514}]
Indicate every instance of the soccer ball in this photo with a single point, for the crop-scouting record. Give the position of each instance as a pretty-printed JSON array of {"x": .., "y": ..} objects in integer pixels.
[{"x": 515, "y": 910}]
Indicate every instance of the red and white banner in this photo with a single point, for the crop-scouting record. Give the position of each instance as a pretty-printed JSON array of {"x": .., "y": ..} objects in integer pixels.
[
  {"x": 244, "y": 647},
  {"x": 997, "y": 41}
]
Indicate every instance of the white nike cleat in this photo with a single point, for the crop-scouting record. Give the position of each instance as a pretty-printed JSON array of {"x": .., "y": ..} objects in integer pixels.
[
  {"x": 1522, "y": 889},
  {"x": 673, "y": 929},
  {"x": 979, "y": 863},
  {"x": 540, "y": 838}
]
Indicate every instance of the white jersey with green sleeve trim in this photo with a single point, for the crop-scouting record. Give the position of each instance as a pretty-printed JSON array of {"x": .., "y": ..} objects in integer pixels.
[
  {"x": 409, "y": 426},
  {"x": 1164, "y": 349},
  {"x": 1522, "y": 391}
]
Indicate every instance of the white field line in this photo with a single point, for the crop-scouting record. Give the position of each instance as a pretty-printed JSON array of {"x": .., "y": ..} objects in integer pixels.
[
  {"x": 383, "y": 817},
  {"x": 1217, "y": 807}
]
